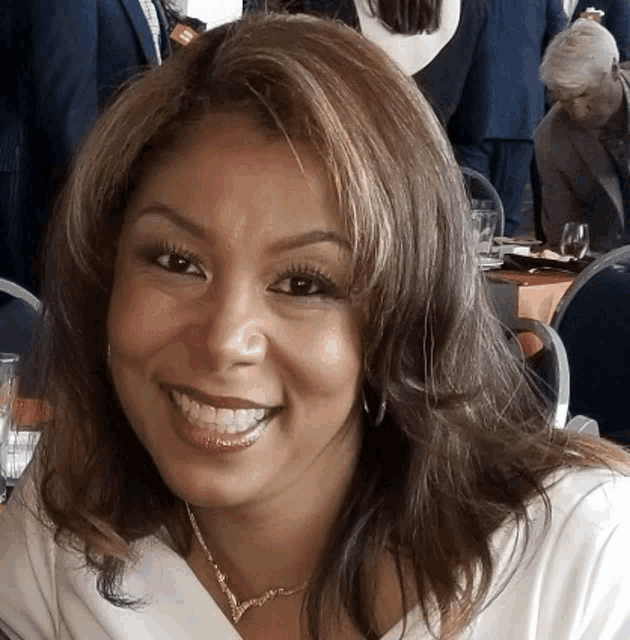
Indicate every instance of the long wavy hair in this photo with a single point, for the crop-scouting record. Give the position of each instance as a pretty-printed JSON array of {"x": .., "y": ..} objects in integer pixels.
[{"x": 455, "y": 439}]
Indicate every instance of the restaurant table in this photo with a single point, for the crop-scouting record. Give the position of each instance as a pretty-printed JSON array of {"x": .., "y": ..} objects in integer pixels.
[{"x": 519, "y": 294}]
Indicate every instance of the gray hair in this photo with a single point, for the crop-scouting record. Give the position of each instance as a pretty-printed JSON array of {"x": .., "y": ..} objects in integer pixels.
[{"x": 579, "y": 54}]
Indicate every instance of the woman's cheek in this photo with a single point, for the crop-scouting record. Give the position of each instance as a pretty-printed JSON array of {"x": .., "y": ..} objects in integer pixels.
[
  {"x": 331, "y": 359},
  {"x": 142, "y": 318}
]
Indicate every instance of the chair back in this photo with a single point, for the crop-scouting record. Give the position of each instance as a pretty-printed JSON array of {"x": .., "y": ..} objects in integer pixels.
[
  {"x": 479, "y": 187},
  {"x": 551, "y": 369},
  {"x": 19, "y": 309},
  {"x": 582, "y": 424},
  {"x": 593, "y": 320},
  {"x": 21, "y": 293}
]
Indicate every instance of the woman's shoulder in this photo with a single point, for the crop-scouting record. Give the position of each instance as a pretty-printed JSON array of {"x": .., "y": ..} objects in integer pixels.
[
  {"x": 568, "y": 578},
  {"x": 47, "y": 592},
  {"x": 597, "y": 493},
  {"x": 27, "y": 570},
  {"x": 571, "y": 581},
  {"x": 581, "y": 504}
]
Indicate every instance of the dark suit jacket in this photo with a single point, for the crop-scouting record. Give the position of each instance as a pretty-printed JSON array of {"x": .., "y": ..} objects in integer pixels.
[
  {"x": 448, "y": 77},
  {"x": 501, "y": 95},
  {"x": 82, "y": 51},
  {"x": 70, "y": 56},
  {"x": 616, "y": 20},
  {"x": 518, "y": 33}
]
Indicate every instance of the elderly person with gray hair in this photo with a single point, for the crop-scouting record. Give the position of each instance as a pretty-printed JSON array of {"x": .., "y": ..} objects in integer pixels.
[{"x": 583, "y": 144}]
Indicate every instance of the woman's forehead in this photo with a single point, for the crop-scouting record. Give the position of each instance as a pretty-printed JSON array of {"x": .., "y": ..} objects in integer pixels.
[{"x": 228, "y": 160}]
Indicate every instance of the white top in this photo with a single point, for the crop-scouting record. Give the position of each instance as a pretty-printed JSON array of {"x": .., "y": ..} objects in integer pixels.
[
  {"x": 574, "y": 584},
  {"x": 411, "y": 52}
]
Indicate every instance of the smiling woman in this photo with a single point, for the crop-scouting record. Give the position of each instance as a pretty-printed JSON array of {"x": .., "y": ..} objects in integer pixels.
[
  {"x": 253, "y": 337},
  {"x": 282, "y": 406}
]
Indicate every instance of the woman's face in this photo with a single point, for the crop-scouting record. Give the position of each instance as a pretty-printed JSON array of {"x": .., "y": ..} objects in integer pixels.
[{"x": 235, "y": 350}]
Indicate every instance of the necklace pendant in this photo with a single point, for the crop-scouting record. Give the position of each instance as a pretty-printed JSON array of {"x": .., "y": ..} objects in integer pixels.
[{"x": 238, "y": 609}]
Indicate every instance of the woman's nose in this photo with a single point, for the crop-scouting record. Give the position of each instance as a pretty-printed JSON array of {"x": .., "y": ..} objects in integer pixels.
[{"x": 231, "y": 331}]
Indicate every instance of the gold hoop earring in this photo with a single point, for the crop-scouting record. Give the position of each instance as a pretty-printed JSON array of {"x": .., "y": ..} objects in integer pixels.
[{"x": 382, "y": 409}]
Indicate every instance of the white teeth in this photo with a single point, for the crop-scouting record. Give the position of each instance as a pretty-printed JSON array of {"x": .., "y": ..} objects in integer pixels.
[
  {"x": 221, "y": 420},
  {"x": 241, "y": 418},
  {"x": 225, "y": 417},
  {"x": 208, "y": 414}
]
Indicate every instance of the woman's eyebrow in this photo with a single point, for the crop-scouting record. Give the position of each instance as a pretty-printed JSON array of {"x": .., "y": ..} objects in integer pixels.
[
  {"x": 184, "y": 222},
  {"x": 283, "y": 244},
  {"x": 310, "y": 237}
]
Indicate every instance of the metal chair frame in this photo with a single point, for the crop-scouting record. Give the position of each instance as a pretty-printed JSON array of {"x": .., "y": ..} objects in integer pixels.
[
  {"x": 20, "y": 292},
  {"x": 553, "y": 344}
]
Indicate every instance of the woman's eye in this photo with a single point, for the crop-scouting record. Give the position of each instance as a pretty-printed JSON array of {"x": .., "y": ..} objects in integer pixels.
[
  {"x": 303, "y": 285},
  {"x": 178, "y": 264}
]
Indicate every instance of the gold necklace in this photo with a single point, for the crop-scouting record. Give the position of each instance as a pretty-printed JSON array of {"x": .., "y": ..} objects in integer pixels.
[{"x": 237, "y": 609}]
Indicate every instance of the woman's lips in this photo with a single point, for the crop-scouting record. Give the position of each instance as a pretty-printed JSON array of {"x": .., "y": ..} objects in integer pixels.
[
  {"x": 219, "y": 428},
  {"x": 222, "y": 402}
]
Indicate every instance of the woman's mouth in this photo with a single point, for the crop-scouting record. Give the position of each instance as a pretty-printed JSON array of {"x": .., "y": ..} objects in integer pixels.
[
  {"x": 219, "y": 420},
  {"x": 220, "y": 428}
]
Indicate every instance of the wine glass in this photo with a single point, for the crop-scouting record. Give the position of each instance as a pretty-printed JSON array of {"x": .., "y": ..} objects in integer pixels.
[{"x": 575, "y": 240}]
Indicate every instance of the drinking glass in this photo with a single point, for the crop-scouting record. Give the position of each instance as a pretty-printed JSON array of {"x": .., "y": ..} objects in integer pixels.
[
  {"x": 484, "y": 218},
  {"x": 575, "y": 240},
  {"x": 8, "y": 388}
]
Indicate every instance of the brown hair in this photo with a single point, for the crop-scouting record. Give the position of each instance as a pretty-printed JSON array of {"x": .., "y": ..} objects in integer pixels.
[
  {"x": 402, "y": 16},
  {"x": 455, "y": 440}
]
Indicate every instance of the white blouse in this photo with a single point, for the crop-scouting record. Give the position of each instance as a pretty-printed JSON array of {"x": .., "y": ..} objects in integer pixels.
[{"x": 573, "y": 584}]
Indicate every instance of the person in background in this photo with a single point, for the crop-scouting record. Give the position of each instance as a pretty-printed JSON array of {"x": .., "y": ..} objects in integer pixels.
[
  {"x": 435, "y": 42},
  {"x": 583, "y": 144},
  {"x": 70, "y": 57},
  {"x": 504, "y": 97},
  {"x": 448, "y": 83},
  {"x": 282, "y": 406},
  {"x": 446, "y": 36},
  {"x": 412, "y": 33}
]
